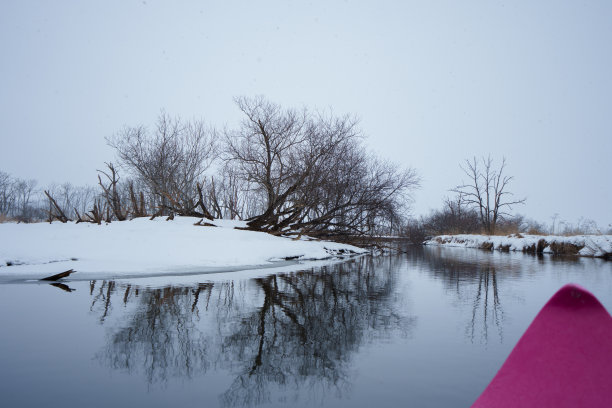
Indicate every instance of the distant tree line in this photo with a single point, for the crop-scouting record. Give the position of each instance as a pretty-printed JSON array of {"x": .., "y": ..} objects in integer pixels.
[
  {"x": 17, "y": 198},
  {"x": 281, "y": 170},
  {"x": 481, "y": 206},
  {"x": 23, "y": 201}
]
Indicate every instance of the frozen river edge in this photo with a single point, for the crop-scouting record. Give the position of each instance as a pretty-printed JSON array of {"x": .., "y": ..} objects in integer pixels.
[{"x": 147, "y": 248}]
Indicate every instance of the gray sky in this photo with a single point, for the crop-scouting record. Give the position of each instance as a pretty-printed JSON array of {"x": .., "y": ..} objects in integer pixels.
[{"x": 434, "y": 83}]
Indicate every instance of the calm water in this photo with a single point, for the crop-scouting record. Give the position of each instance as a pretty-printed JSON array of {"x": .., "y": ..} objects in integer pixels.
[{"x": 427, "y": 329}]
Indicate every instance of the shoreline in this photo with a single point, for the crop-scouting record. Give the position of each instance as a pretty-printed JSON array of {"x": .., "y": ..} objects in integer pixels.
[
  {"x": 143, "y": 247},
  {"x": 594, "y": 246}
]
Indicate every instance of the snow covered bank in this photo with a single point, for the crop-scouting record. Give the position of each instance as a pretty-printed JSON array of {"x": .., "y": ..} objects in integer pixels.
[
  {"x": 144, "y": 247},
  {"x": 582, "y": 245}
]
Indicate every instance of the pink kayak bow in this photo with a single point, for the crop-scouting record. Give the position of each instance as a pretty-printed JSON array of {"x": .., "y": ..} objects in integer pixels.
[{"x": 564, "y": 359}]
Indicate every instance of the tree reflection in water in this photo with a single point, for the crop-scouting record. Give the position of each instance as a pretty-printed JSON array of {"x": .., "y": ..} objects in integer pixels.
[
  {"x": 159, "y": 336},
  {"x": 283, "y": 332},
  {"x": 475, "y": 283}
]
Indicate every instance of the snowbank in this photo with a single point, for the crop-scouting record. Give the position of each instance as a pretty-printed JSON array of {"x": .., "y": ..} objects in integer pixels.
[
  {"x": 144, "y": 247},
  {"x": 582, "y": 245}
]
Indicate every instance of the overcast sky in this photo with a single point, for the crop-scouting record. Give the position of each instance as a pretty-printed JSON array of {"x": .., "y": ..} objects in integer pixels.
[{"x": 434, "y": 83}]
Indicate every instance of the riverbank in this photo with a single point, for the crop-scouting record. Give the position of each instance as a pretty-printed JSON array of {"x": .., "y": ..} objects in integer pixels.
[
  {"x": 148, "y": 248},
  {"x": 599, "y": 246}
]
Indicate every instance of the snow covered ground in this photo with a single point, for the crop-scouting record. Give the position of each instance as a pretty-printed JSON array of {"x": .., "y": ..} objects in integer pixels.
[
  {"x": 583, "y": 245},
  {"x": 141, "y": 247}
]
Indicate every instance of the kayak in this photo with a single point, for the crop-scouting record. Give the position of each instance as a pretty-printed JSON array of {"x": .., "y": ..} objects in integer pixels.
[{"x": 564, "y": 359}]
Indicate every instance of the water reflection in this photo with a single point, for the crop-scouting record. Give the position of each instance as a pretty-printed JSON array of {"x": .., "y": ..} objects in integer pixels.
[
  {"x": 476, "y": 284},
  {"x": 62, "y": 286},
  {"x": 158, "y": 336},
  {"x": 482, "y": 310},
  {"x": 275, "y": 334},
  {"x": 479, "y": 281}
]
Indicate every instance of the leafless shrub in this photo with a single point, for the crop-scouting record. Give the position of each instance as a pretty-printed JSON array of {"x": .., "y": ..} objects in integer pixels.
[
  {"x": 533, "y": 227},
  {"x": 5, "y": 218},
  {"x": 455, "y": 217},
  {"x": 584, "y": 226},
  {"x": 510, "y": 225}
]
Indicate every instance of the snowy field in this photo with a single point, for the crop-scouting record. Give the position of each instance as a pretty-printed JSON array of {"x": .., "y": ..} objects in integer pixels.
[
  {"x": 141, "y": 247},
  {"x": 583, "y": 245}
]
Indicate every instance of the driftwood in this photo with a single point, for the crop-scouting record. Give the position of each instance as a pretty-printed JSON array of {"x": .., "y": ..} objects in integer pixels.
[
  {"x": 58, "y": 276},
  {"x": 138, "y": 209},
  {"x": 204, "y": 224},
  {"x": 200, "y": 202},
  {"x": 185, "y": 206},
  {"x": 113, "y": 199},
  {"x": 78, "y": 216},
  {"x": 58, "y": 214},
  {"x": 157, "y": 214},
  {"x": 96, "y": 215}
]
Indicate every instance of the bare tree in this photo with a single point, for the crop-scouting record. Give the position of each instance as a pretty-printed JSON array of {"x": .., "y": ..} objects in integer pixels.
[
  {"x": 355, "y": 193},
  {"x": 487, "y": 191},
  {"x": 24, "y": 190},
  {"x": 170, "y": 161},
  {"x": 311, "y": 172},
  {"x": 7, "y": 193},
  {"x": 18, "y": 198},
  {"x": 265, "y": 149}
]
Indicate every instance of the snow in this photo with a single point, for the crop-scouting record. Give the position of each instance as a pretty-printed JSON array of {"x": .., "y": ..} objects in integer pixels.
[
  {"x": 589, "y": 245},
  {"x": 142, "y": 247}
]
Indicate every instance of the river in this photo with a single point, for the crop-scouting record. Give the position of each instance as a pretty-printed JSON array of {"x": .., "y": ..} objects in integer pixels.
[{"x": 425, "y": 328}]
